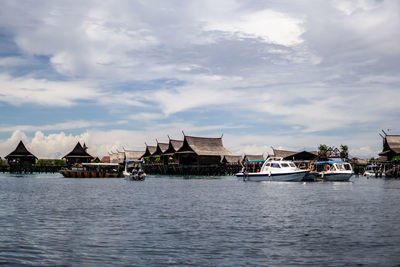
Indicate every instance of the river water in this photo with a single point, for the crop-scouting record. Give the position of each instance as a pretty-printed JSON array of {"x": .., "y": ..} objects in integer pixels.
[{"x": 47, "y": 220}]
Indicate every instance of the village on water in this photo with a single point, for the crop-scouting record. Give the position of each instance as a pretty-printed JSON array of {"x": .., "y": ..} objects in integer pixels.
[{"x": 207, "y": 156}]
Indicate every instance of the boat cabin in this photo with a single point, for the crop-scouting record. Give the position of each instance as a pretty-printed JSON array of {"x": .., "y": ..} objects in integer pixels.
[{"x": 332, "y": 166}]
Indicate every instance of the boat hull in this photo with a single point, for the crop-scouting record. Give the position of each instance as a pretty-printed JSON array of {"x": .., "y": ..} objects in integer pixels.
[
  {"x": 90, "y": 174},
  {"x": 278, "y": 177},
  {"x": 336, "y": 177}
]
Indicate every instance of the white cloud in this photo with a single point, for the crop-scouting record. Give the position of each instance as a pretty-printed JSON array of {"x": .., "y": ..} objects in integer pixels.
[
  {"x": 23, "y": 90},
  {"x": 269, "y": 25},
  {"x": 68, "y": 125}
]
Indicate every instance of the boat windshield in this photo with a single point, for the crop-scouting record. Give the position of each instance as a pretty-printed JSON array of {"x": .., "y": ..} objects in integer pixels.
[
  {"x": 347, "y": 167},
  {"x": 292, "y": 165},
  {"x": 343, "y": 167},
  {"x": 275, "y": 165}
]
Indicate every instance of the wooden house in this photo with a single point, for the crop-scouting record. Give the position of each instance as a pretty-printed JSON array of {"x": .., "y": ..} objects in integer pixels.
[
  {"x": 391, "y": 147},
  {"x": 21, "y": 156},
  {"x": 78, "y": 155},
  {"x": 201, "y": 151}
]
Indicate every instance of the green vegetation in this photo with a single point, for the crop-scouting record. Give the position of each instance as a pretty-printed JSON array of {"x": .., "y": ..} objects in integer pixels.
[
  {"x": 344, "y": 151},
  {"x": 323, "y": 152},
  {"x": 396, "y": 158},
  {"x": 51, "y": 162}
]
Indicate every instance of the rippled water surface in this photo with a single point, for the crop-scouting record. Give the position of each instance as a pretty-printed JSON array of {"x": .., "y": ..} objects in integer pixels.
[{"x": 51, "y": 221}]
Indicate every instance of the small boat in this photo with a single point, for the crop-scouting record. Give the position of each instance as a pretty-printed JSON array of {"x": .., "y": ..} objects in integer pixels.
[
  {"x": 333, "y": 171},
  {"x": 275, "y": 169},
  {"x": 373, "y": 171},
  {"x": 93, "y": 170},
  {"x": 133, "y": 170}
]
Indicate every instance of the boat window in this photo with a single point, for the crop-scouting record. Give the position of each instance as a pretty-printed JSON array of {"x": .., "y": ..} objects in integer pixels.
[
  {"x": 275, "y": 165},
  {"x": 292, "y": 165},
  {"x": 285, "y": 165},
  {"x": 268, "y": 164},
  {"x": 347, "y": 167},
  {"x": 340, "y": 167}
]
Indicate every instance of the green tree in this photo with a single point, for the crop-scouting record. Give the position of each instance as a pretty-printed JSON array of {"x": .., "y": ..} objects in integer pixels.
[
  {"x": 344, "y": 151},
  {"x": 323, "y": 152}
]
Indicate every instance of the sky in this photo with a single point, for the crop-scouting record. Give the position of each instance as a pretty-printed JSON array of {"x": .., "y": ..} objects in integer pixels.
[{"x": 274, "y": 73}]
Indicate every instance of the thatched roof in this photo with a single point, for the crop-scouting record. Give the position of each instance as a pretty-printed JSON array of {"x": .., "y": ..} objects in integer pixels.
[
  {"x": 78, "y": 152},
  {"x": 149, "y": 151},
  {"x": 391, "y": 145},
  {"x": 173, "y": 146},
  {"x": 161, "y": 148},
  {"x": 286, "y": 154},
  {"x": 231, "y": 159},
  {"x": 20, "y": 151},
  {"x": 203, "y": 146},
  {"x": 130, "y": 154},
  {"x": 255, "y": 157}
]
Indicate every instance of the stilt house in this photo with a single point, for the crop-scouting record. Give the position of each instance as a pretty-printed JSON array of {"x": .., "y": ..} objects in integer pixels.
[
  {"x": 78, "y": 155},
  {"x": 21, "y": 156},
  {"x": 201, "y": 151}
]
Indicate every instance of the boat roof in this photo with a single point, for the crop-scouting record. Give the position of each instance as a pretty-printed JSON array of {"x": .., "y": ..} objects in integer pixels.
[{"x": 329, "y": 162}]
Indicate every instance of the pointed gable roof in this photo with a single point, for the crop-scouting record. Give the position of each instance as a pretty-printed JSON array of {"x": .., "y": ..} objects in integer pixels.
[
  {"x": 173, "y": 146},
  {"x": 20, "y": 151},
  {"x": 149, "y": 151},
  {"x": 78, "y": 152},
  {"x": 203, "y": 146},
  {"x": 161, "y": 148}
]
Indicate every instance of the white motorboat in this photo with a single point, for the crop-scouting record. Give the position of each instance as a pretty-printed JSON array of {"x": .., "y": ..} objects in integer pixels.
[
  {"x": 333, "y": 171},
  {"x": 133, "y": 170},
  {"x": 274, "y": 169},
  {"x": 373, "y": 171}
]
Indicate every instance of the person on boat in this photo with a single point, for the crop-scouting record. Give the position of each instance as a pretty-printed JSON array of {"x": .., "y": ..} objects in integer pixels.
[
  {"x": 244, "y": 164},
  {"x": 328, "y": 167}
]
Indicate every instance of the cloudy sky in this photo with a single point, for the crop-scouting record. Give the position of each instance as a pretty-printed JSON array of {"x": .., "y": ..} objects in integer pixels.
[{"x": 117, "y": 74}]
